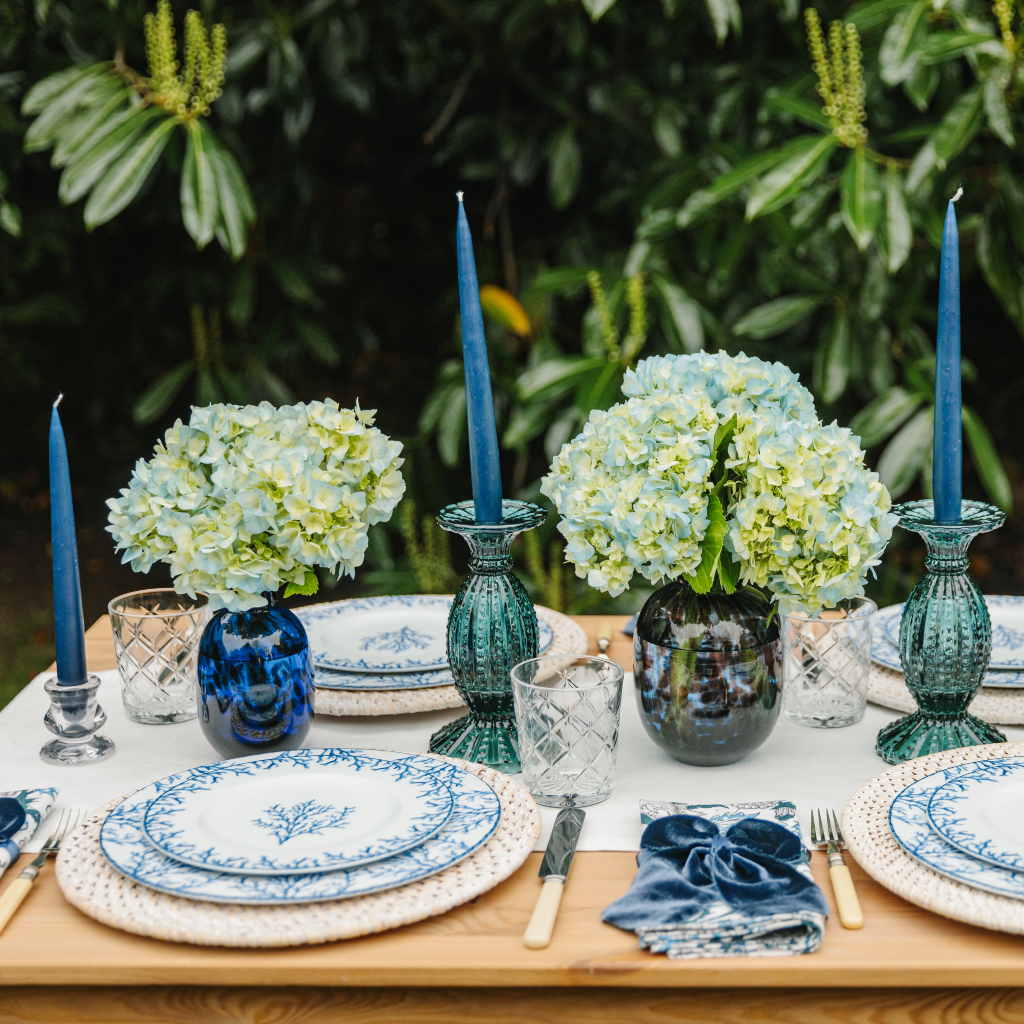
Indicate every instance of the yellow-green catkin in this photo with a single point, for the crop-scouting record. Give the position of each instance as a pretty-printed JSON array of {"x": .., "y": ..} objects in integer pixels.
[
  {"x": 609, "y": 334},
  {"x": 191, "y": 93},
  {"x": 840, "y": 72},
  {"x": 1004, "y": 15},
  {"x": 637, "y": 319}
]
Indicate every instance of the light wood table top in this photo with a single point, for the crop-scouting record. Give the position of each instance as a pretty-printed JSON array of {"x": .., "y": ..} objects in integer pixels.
[{"x": 479, "y": 944}]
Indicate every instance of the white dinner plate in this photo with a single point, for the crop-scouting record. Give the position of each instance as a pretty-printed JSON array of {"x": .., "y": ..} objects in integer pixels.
[
  {"x": 297, "y": 812},
  {"x": 476, "y": 814},
  {"x": 1006, "y": 613},
  {"x": 908, "y": 821},
  {"x": 981, "y": 812},
  {"x": 378, "y": 641}
]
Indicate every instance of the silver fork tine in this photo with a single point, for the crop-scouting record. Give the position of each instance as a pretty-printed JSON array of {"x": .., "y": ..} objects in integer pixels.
[
  {"x": 839, "y": 831},
  {"x": 831, "y": 838},
  {"x": 57, "y": 829},
  {"x": 814, "y": 835}
]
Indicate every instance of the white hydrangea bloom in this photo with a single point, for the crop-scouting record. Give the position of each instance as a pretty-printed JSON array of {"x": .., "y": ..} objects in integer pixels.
[
  {"x": 805, "y": 518},
  {"x": 243, "y": 499}
]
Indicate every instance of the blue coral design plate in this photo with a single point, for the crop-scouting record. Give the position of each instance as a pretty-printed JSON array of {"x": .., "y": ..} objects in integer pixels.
[
  {"x": 297, "y": 812},
  {"x": 981, "y": 812},
  {"x": 392, "y": 637},
  {"x": 475, "y": 816},
  {"x": 1006, "y": 667},
  {"x": 908, "y": 821}
]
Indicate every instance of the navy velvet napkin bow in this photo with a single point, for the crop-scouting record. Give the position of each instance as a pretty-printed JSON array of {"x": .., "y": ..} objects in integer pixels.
[{"x": 686, "y": 864}]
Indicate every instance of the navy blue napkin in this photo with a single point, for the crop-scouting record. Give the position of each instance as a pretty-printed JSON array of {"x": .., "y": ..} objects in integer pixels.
[{"x": 686, "y": 865}]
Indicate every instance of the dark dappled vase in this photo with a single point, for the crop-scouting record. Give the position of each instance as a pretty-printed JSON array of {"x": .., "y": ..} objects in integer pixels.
[
  {"x": 255, "y": 689},
  {"x": 707, "y": 672}
]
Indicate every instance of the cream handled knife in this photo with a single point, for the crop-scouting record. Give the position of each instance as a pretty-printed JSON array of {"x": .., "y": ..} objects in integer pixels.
[{"x": 553, "y": 869}]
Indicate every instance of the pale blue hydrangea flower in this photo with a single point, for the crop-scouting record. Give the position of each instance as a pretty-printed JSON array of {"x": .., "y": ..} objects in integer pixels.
[
  {"x": 243, "y": 499},
  {"x": 805, "y": 518}
]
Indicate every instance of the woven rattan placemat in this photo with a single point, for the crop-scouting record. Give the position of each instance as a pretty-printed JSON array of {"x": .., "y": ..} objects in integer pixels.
[
  {"x": 569, "y": 638},
  {"x": 1000, "y": 707},
  {"x": 866, "y": 830},
  {"x": 94, "y": 887}
]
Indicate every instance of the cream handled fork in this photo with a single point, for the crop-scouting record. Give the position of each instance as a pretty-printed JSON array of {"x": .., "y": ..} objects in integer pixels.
[
  {"x": 18, "y": 889},
  {"x": 847, "y": 903}
]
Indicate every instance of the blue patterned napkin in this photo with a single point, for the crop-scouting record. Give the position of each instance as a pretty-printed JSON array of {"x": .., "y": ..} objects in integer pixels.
[
  {"x": 708, "y": 925},
  {"x": 37, "y": 804}
]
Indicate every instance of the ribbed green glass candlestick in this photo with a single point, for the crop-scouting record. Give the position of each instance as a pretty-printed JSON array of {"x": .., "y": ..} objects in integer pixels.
[
  {"x": 492, "y": 627},
  {"x": 945, "y": 638}
]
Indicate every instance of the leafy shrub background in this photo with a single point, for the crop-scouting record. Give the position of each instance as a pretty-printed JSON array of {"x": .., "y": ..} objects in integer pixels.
[{"x": 641, "y": 145}]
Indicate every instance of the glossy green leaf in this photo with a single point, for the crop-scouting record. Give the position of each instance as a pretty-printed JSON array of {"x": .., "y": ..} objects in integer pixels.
[
  {"x": 89, "y": 125},
  {"x": 123, "y": 179},
  {"x": 10, "y": 219},
  {"x": 986, "y": 460},
  {"x": 873, "y": 12},
  {"x": 728, "y": 571},
  {"x": 733, "y": 180},
  {"x": 905, "y": 454},
  {"x": 880, "y": 417},
  {"x": 725, "y": 14},
  {"x": 437, "y": 401},
  {"x": 293, "y": 282},
  {"x": 835, "y": 359},
  {"x": 49, "y": 89},
  {"x": 997, "y": 259},
  {"x": 56, "y": 114},
  {"x": 861, "y": 195},
  {"x": 920, "y": 87},
  {"x": 898, "y": 54},
  {"x": 525, "y": 423},
  {"x": 597, "y": 8},
  {"x": 113, "y": 138},
  {"x": 683, "y": 311},
  {"x": 199, "y": 201},
  {"x": 958, "y": 127},
  {"x": 561, "y": 430},
  {"x": 318, "y": 343},
  {"x": 157, "y": 398},
  {"x": 558, "y": 281},
  {"x": 451, "y": 427},
  {"x": 899, "y": 233},
  {"x": 771, "y": 318},
  {"x": 1012, "y": 198},
  {"x": 309, "y": 586},
  {"x": 783, "y": 183},
  {"x": 809, "y": 113},
  {"x": 565, "y": 164},
  {"x": 711, "y": 547},
  {"x": 996, "y": 111},
  {"x": 552, "y": 372},
  {"x": 942, "y": 46}
]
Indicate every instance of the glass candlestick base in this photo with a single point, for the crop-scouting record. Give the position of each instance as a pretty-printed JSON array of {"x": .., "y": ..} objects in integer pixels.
[
  {"x": 74, "y": 717},
  {"x": 945, "y": 638},
  {"x": 491, "y": 628}
]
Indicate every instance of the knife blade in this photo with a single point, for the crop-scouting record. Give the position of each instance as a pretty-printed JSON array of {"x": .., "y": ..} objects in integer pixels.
[{"x": 554, "y": 869}]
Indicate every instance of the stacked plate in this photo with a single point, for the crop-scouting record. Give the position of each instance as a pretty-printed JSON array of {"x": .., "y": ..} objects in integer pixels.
[
  {"x": 967, "y": 823},
  {"x": 1006, "y": 666},
  {"x": 385, "y": 643},
  {"x": 300, "y": 826}
]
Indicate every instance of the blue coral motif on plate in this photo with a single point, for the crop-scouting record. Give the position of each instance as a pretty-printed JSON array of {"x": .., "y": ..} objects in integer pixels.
[
  {"x": 218, "y": 817},
  {"x": 397, "y": 642},
  {"x": 908, "y": 822},
  {"x": 475, "y": 816}
]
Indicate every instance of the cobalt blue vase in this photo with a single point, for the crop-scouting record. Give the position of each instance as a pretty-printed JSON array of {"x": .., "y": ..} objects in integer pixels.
[{"x": 255, "y": 689}]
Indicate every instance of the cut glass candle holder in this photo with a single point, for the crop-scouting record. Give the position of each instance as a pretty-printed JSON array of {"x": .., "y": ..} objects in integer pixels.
[
  {"x": 492, "y": 627},
  {"x": 74, "y": 717},
  {"x": 945, "y": 638}
]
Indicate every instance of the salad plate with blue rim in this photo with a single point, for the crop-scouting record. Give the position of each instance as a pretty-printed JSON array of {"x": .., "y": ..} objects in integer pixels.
[
  {"x": 1003, "y": 611},
  {"x": 374, "y": 643},
  {"x": 475, "y": 815},
  {"x": 981, "y": 812},
  {"x": 909, "y": 824},
  {"x": 297, "y": 812}
]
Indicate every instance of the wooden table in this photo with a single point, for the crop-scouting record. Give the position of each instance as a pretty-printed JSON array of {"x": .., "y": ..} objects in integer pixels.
[{"x": 470, "y": 965}]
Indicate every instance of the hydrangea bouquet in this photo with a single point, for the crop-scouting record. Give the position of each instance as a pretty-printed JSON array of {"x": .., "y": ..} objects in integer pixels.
[
  {"x": 717, "y": 469},
  {"x": 246, "y": 499}
]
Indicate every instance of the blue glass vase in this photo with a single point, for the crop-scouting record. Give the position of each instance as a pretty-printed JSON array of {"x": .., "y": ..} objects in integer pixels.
[
  {"x": 945, "y": 638},
  {"x": 255, "y": 675},
  {"x": 491, "y": 628}
]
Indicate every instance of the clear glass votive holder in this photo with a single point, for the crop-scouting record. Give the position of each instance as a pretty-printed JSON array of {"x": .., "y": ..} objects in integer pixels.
[
  {"x": 567, "y": 718},
  {"x": 156, "y": 637},
  {"x": 825, "y": 664}
]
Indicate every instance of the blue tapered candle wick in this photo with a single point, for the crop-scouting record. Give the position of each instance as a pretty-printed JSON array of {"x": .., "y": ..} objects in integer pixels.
[
  {"x": 483, "y": 432},
  {"x": 947, "y": 450},
  {"x": 68, "y": 619}
]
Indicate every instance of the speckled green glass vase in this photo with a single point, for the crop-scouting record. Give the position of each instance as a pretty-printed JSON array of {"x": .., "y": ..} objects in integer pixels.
[
  {"x": 492, "y": 627},
  {"x": 945, "y": 638}
]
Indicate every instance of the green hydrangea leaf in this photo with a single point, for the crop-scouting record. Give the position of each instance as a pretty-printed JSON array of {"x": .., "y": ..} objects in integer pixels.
[
  {"x": 711, "y": 549},
  {"x": 307, "y": 588}
]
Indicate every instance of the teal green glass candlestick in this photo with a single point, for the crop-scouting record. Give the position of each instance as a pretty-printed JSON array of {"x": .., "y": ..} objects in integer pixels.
[
  {"x": 492, "y": 627},
  {"x": 945, "y": 638}
]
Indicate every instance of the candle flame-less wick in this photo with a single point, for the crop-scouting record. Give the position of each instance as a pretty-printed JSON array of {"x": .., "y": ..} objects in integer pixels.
[
  {"x": 959, "y": 193},
  {"x": 59, "y": 397},
  {"x": 459, "y": 196}
]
